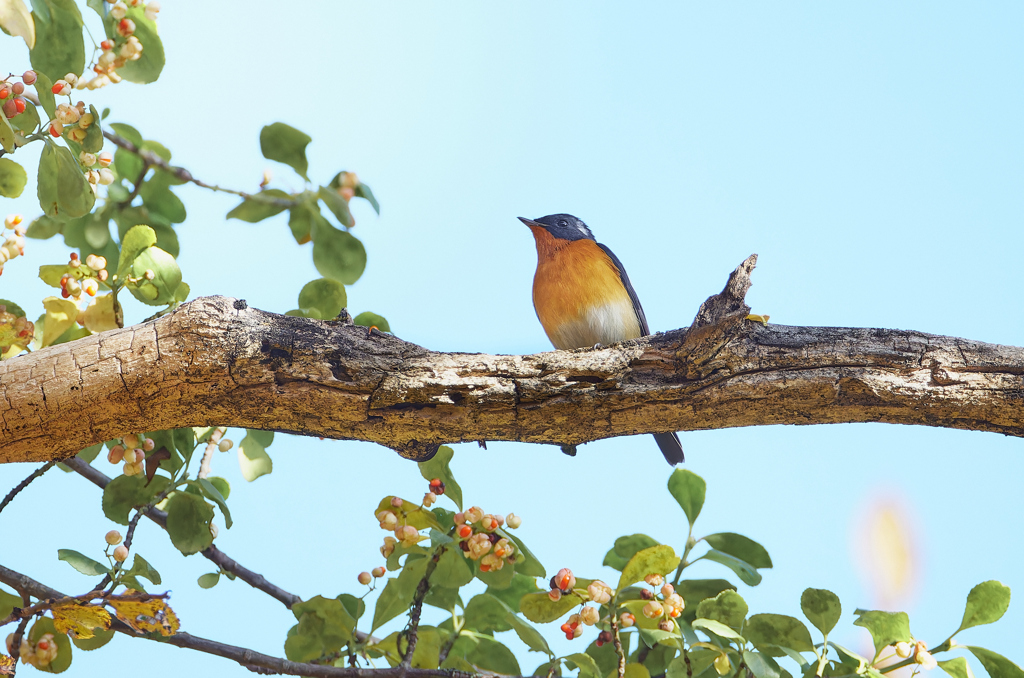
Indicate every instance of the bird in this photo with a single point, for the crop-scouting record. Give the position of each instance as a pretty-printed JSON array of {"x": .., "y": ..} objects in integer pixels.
[{"x": 583, "y": 297}]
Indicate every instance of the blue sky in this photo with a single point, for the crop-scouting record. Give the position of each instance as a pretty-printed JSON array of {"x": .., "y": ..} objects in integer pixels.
[{"x": 871, "y": 154}]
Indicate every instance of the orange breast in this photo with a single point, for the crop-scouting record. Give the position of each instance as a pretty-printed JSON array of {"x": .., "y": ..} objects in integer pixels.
[{"x": 578, "y": 294}]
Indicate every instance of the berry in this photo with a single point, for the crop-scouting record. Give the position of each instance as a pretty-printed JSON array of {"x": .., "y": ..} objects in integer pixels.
[
  {"x": 5, "y": 92},
  {"x": 513, "y": 521},
  {"x": 105, "y": 158},
  {"x": 10, "y": 108},
  {"x": 18, "y": 87},
  {"x": 589, "y": 615},
  {"x": 90, "y": 287},
  {"x": 56, "y": 129},
  {"x": 667, "y": 590},
  {"x": 666, "y": 625},
  {"x": 125, "y": 27},
  {"x": 653, "y": 610},
  {"x": 225, "y": 445},
  {"x": 465, "y": 531},
  {"x": 28, "y": 77},
  {"x": 364, "y": 578},
  {"x": 626, "y": 619},
  {"x": 113, "y": 537},
  {"x": 436, "y": 486},
  {"x": 61, "y": 88},
  {"x": 87, "y": 160},
  {"x": 564, "y": 580},
  {"x": 106, "y": 46},
  {"x": 121, "y": 553},
  {"x": 19, "y": 105},
  {"x": 377, "y": 572},
  {"x": 71, "y": 79},
  {"x": 722, "y": 664},
  {"x": 555, "y": 595},
  {"x": 396, "y": 502},
  {"x": 107, "y": 178},
  {"x": 903, "y": 649},
  {"x": 654, "y": 579},
  {"x": 599, "y": 592}
]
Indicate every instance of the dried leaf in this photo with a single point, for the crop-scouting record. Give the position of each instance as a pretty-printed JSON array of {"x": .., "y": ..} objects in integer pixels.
[
  {"x": 146, "y": 616},
  {"x": 77, "y": 620},
  {"x": 7, "y": 665},
  {"x": 153, "y": 462}
]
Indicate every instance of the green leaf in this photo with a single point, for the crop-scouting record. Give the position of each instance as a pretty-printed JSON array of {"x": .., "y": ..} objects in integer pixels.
[
  {"x": 9, "y": 601},
  {"x": 326, "y": 296},
  {"x": 443, "y": 598},
  {"x": 761, "y": 665},
  {"x": 16, "y": 20},
  {"x": 254, "y": 209},
  {"x": 986, "y": 603},
  {"x": 337, "y": 254},
  {"x": 605, "y": 656},
  {"x": 100, "y": 637},
  {"x": 338, "y": 206},
  {"x": 354, "y": 606},
  {"x": 26, "y": 122},
  {"x": 6, "y": 134},
  {"x": 167, "y": 276},
  {"x": 44, "y": 90},
  {"x": 487, "y": 614},
  {"x": 124, "y": 493},
  {"x": 625, "y": 548},
  {"x": 142, "y": 568},
  {"x": 744, "y": 570},
  {"x": 209, "y": 580},
  {"x": 137, "y": 240},
  {"x": 158, "y": 197},
  {"x": 659, "y": 559},
  {"x": 688, "y": 488},
  {"x": 333, "y": 622},
  {"x": 540, "y": 609},
  {"x": 368, "y": 319},
  {"x": 253, "y": 459},
  {"x": 698, "y": 661},
  {"x": 286, "y": 144},
  {"x": 63, "y": 190},
  {"x": 452, "y": 571},
  {"x": 885, "y": 628},
  {"x": 188, "y": 522},
  {"x": 496, "y": 579},
  {"x": 526, "y": 562},
  {"x": 127, "y": 132},
  {"x": 12, "y": 178},
  {"x": 43, "y": 228},
  {"x": 438, "y": 467},
  {"x": 741, "y": 547},
  {"x": 997, "y": 665},
  {"x": 222, "y": 486},
  {"x": 93, "y": 142},
  {"x": 718, "y": 628},
  {"x": 301, "y": 219},
  {"x": 148, "y": 67},
  {"x": 727, "y": 607},
  {"x": 62, "y": 661},
  {"x": 822, "y": 607},
  {"x": 585, "y": 663},
  {"x": 487, "y": 653},
  {"x": 60, "y": 46},
  {"x": 13, "y": 309},
  {"x": 957, "y": 667},
  {"x": 530, "y": 636},
  {"x": 363, "y": 191},
  {"x": 398, "y": 593},
  {"x": 212, "y": 493},
  {"x": 82, "y": 563},
  {"x": 520, "y": 586},
  {"x": 778, "y": 629}
]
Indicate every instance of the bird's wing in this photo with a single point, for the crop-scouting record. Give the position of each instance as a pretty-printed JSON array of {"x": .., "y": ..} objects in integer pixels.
[{"x": 637, "y": 308}]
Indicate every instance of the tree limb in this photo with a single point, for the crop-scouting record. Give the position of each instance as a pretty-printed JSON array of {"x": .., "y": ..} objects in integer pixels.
[{"x": 215, "y": 361}]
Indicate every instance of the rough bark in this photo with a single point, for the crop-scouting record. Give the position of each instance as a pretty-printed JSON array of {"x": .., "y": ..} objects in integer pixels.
[{"x": 215, "y": 361}]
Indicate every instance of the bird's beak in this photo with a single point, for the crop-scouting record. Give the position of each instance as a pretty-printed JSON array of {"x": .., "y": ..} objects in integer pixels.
[{"x": 530, "y": 222}]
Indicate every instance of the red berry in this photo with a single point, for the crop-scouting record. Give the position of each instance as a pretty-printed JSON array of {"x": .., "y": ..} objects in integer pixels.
[
  {"x": 53, "y": 132},
  {"x": 19, "y": 103},
  {"x": 107, "y": 45},
  {"x": 465, "y": 531},
  {"x": 4, "y": 92},
  {"x": 74, "y": 255},
  {"x": 565, "y": 628},
  {"x": 57, "y": 87},
  {"x": 43, "y": 645}
]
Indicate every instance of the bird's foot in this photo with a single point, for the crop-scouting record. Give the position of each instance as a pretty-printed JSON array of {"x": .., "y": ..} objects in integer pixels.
[{"x": 597, "y": 346}]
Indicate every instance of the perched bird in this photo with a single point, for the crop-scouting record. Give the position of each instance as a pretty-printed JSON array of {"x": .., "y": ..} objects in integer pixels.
[{"x": 583, "y": 296}]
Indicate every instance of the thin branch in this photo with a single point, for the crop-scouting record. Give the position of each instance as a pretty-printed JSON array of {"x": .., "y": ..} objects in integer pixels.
[
  {"x": 261, "y": 663},
  {"x": 182, "y": 174},
  {"x": 25, "y": 483},
  {"x": 411, "y": 634},
  {"x": 16, "y": 641},
  {"x": 617, "y": 641},
  {"x": 137, "y": 186},
  {"x": 211, "y": 553}
]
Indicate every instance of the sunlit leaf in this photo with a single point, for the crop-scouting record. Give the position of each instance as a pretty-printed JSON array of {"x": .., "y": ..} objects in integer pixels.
[
  {"x": 659, "y": 559},
  {"x": 16, "y": 20},
  {"x": 286, "y": 144},
  {"x": 986, "y": 603},
  {"x": 12, "y": 176},
  {"x": 885, "y": 628},
  {"x": 822, "y": 608},
  {"x": 60, "y": 46},
  {"x": 82, "y": 563},
  {"x": 146, "y": 616},
  {"x": 79, "y": 620},
  {"x": 253, "y": 459},
  {"x": 778, "y": 629},
  {"x": 188, "y": 522},
  {"x": 688, "y": 489}
]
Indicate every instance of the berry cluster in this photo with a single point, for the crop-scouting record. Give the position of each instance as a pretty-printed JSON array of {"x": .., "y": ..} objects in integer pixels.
[
  {"x": 479, "y": 540},
  {"x": 39, "y": 654},
  {"x": 132, "y": 451},
  {"x": 563, "y": 584},
  {"x": 665, "y": 610},
  {"x": 77, "y": 119},
  {"x": 87, "y": 280},
  {"x": 14, "y": 244},
  {"x": 11, "y": 93},
  {"x": 347, "y": 182},
  {"x": 366, "y": 577},
  {"x": 125, "y": 46},
  {"x": 102, "y": 175},
  {"x": 14, "y": 330},
  {"x": 113, "y": 538},
  {"x": 396, "y": 521}
]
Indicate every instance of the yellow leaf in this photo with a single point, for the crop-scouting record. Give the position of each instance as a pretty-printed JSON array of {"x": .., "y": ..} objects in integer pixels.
[
  {"x": 99, "y": 315},
  {"x": 16, "y": 20},
  {"x": 61, "y": 314},
  {"x": 77, "y": 620},
  {"x": 146, "y": 616},
  {"x": 7, "y": 665}
]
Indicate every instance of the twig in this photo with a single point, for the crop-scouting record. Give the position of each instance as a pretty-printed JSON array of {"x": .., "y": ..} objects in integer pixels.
[
  {"x": 211, "y": 553},
  {"x": 137, "y": 186},
  {"x": 183, "y": 174},
  {"x": 25, "y": 483},
  {"x": 411, "y": 634},
  {"x": 616, "y": 641},
  {"x": 250, "y": 659},
  {"x": 16, "y": 641}
]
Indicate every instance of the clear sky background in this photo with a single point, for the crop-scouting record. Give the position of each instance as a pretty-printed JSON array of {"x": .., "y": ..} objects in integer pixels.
[{"x": 871, "y": 154}]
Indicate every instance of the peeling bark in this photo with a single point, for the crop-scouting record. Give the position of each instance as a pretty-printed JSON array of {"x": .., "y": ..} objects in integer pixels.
[{"x": 217, "y": 361}]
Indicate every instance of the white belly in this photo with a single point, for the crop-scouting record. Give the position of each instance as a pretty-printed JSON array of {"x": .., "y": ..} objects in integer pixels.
[{"x": 605, "y": 324}]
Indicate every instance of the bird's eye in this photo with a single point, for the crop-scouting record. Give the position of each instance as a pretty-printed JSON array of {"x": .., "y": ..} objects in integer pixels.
[{"x": 563, "y": 223}]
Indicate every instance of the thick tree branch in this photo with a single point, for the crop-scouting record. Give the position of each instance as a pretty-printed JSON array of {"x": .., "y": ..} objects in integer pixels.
[{"x": 217, "y": 361}]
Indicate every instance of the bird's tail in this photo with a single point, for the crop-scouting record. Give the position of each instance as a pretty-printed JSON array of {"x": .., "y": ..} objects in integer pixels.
[{"x": 670, "y": 447}]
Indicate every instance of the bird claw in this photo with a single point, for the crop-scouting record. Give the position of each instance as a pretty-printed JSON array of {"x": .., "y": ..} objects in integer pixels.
[{"x": 598, "y": 345}]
